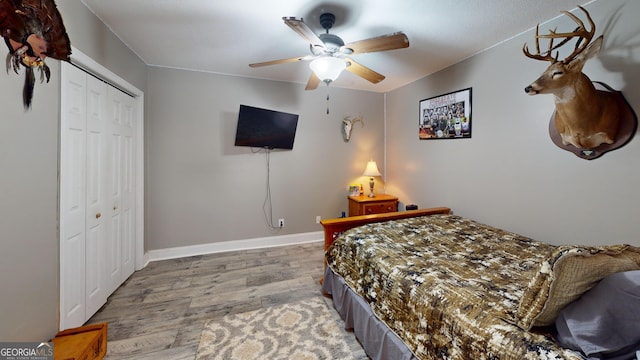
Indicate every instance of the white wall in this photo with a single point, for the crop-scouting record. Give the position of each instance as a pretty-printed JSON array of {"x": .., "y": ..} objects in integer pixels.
[
  {"x": 510, "y": 174},
  {"x": 202, "y": 189}
]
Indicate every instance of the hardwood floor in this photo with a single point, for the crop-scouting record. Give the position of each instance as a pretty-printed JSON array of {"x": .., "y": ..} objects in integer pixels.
[{"x": 159, "y": 312}]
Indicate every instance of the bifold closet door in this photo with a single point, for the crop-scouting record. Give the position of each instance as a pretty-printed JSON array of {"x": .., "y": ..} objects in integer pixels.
[
  {"x": 121, "y": 196},
  {"x": 83, "y": 192},
  {"x": 97, "y": 193}
]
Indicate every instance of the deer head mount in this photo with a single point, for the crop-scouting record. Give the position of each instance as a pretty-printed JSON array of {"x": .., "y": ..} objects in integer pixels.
[
  {"x": 347, "y": 126},
  {"x": 587, "y": 120}
]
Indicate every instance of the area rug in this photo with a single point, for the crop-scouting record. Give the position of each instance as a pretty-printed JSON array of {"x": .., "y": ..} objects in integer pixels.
[{"x": 303, "y": 330}]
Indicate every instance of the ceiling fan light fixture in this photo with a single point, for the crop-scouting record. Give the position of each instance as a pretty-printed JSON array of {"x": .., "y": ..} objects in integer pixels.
[{"x": 327, "y": 68}]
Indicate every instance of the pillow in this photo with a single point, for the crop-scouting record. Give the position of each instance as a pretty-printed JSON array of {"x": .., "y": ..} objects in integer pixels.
[
  {"x": 568, "y": 272},
  {"x": 604, "y": 321}
]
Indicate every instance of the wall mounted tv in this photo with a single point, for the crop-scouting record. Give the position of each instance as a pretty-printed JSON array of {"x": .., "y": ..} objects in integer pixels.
[{"x": 263, "y": 128}]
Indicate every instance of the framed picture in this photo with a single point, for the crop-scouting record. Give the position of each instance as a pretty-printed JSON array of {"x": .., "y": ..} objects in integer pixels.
[{"x": 446, "y": 116}]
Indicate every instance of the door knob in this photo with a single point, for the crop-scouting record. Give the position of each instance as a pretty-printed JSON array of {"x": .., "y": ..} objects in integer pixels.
[{"x": 98, "y": 215}]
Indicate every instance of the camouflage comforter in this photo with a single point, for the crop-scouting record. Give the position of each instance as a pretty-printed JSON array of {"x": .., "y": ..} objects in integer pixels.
[{"x": 449, "y": 287}]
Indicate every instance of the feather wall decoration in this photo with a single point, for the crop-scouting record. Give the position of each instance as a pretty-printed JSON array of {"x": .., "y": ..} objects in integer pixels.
[{"x": 33, "y": 30}]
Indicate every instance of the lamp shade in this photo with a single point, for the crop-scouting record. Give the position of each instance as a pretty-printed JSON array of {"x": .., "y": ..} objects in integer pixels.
[
  {"x": 327, "y": 68},
  {"x": 372, "y": 169}
]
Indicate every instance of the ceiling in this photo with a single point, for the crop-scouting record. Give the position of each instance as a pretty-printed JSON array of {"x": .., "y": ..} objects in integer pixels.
[{"x": 224, "y": 37}]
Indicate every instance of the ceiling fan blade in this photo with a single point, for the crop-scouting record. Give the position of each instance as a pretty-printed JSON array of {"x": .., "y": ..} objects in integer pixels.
[
  {"x": 363, "y": 71},
  {"x": 381, "y": 43},
  {"x": 281, "y": 61},
  {"x": 303, "y": 30},
  {"x": 313, "y": 82}
]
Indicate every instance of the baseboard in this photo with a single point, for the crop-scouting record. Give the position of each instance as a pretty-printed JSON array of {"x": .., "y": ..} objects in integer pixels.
[{"x": 212, "y": 248}]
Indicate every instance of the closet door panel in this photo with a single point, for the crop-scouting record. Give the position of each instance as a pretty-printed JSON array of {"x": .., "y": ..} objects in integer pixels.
[
  {"x": 127, "y": 210},
  {"x": 128, "y": 131},
  {"x": 121, "y": 113},
  {"x": 97, "y": 229},
  {"x": 72, "y": 198},
  {"x": 115, "y": 234}
]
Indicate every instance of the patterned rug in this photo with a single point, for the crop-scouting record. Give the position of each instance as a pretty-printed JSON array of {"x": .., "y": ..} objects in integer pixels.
[{"x": 303, "y": 330}]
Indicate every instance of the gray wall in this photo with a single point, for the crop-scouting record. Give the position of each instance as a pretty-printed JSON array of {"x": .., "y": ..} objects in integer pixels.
[
  {"x": 28, "y": 209},
  {"x": 202, "y": 189},
  {"x": 510, "y": 174},
  {"x": 29, "y": 250},
  {"x": 94, "y": 39}
]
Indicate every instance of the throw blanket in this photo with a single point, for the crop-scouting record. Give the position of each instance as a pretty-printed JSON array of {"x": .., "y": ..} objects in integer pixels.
[{"x": 448, "y": 286}]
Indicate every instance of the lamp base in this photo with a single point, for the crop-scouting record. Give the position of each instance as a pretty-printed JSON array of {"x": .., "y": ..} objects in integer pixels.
[{"x": 371, "y": 183}]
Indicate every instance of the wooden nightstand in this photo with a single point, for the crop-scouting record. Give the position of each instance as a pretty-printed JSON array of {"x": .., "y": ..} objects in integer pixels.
[{"x": 365, "y": 205}]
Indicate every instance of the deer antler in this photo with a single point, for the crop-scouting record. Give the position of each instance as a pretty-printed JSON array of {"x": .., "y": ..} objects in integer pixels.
[
  {"x": 538, "y": 56},
  {"x": 584, "y": 38}
]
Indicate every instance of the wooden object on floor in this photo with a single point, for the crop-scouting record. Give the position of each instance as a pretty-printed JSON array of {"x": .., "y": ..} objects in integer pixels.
[
  {"x": 334, "y": 227},
  {"x": 365, "y": 205},
  {"x": 82, "y": 343}
]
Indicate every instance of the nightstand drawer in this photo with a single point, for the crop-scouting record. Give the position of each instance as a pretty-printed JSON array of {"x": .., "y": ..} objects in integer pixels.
[
  {"x": 364, "y": 205},
  {"x": 381, "y": 207}
]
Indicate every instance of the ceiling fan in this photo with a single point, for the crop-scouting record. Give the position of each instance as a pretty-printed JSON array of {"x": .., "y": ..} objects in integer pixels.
[{"x": 330, "y": 55}]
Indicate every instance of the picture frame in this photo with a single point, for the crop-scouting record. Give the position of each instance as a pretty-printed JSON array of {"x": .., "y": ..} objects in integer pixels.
[{"x": 446, "y": 116}]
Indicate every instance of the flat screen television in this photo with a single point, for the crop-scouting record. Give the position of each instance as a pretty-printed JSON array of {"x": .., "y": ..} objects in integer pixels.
[{"x": 263, "y": 128}]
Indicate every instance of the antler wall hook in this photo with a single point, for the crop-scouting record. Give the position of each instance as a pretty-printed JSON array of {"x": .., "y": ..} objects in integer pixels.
[{"x": 347, "y": 126}]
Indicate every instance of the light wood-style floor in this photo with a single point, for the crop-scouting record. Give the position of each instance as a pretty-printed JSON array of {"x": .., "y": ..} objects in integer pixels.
[{"x": 160, "y": 311}]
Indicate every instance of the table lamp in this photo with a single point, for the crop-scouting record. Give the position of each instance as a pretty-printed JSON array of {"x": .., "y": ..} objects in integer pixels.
[{"x": 371, "y": 171}]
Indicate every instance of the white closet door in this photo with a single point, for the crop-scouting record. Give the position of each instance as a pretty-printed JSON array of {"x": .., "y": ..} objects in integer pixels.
[
  {"x": 122, "y": 186},
  {"x": 96, "y": 224},
  {"x": 97, "y": 193},
  {"x": 126, "y": 126},
  {"x": 72, "y": 197}
]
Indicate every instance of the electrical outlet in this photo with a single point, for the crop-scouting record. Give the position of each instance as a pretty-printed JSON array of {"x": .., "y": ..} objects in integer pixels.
[
  {"x": 281, "y": 222},
  {"x": 318, "y": 218}
]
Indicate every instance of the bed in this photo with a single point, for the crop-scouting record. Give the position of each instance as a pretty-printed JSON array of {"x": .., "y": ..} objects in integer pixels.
[{"x": 429, "y": 284}]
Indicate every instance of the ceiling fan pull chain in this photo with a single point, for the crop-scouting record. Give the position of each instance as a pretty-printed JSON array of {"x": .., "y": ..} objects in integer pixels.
[{"x": 327, "y": 99}]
